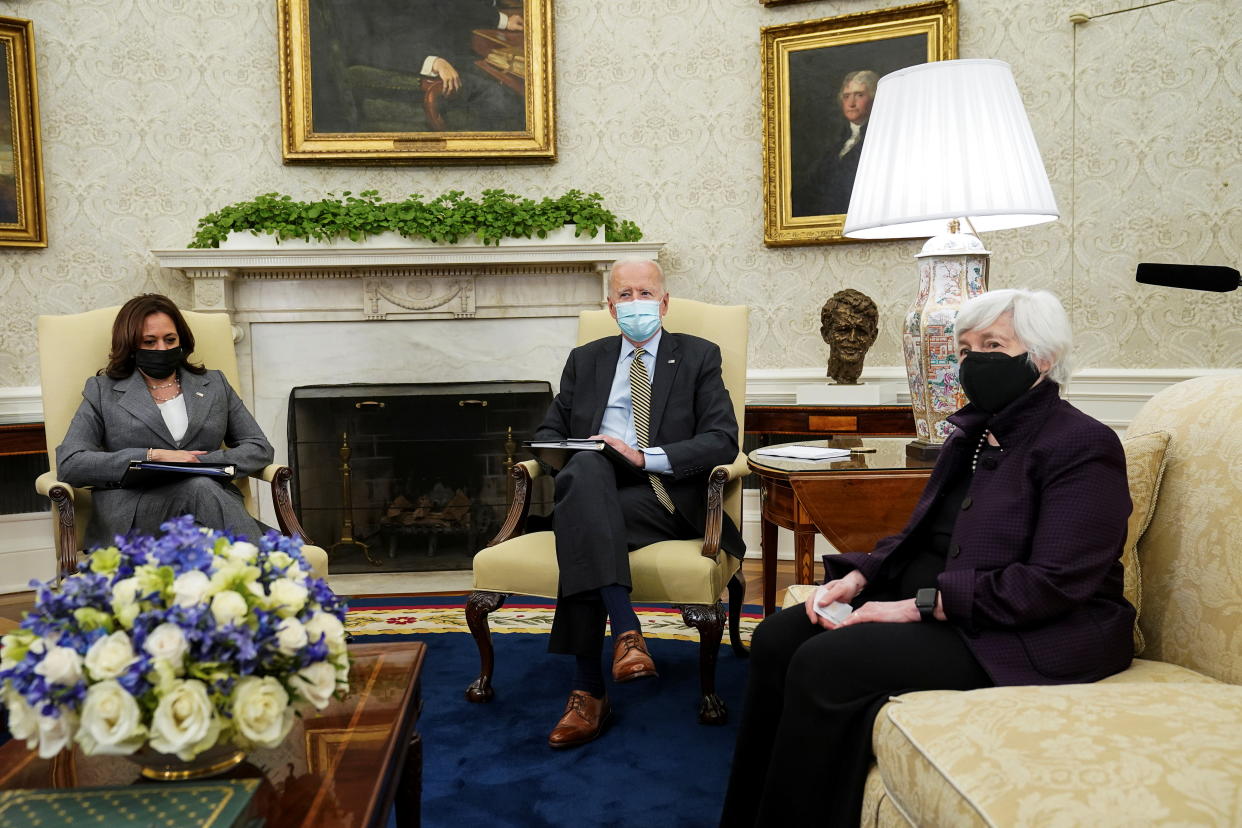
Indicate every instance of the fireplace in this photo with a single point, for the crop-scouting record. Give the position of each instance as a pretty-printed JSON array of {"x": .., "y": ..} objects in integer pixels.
[{"x": 410, "y": 476}]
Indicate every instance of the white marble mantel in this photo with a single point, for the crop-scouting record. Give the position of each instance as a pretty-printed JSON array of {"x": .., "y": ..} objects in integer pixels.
[
  {"x": 461, "y": 281},
  {"x": 446, "y": 313}
]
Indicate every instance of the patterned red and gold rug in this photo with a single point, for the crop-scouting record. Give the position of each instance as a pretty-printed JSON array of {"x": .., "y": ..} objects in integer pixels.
[{"x": 402, "y": 616}]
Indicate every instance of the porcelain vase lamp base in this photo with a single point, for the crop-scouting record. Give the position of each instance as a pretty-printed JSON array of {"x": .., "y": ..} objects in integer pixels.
[{"x": 952, "y": 269}]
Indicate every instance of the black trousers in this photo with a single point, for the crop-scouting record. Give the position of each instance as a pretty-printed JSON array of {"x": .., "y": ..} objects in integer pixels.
[
  {"x": 804, "y": 744},
  {"x": 597, "y": 523}
]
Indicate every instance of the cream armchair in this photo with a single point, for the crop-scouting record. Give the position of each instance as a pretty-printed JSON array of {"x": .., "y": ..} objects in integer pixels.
[
  {"x": 72, "y": 348},
  {"x": 689, "y": 574}
]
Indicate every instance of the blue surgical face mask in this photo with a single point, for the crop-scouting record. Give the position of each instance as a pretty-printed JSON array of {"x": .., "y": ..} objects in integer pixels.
[{"x": 638, "y": 320}]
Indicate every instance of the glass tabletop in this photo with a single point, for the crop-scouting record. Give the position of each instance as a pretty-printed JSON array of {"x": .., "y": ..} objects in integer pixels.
[{"x": 877, "y": 453}]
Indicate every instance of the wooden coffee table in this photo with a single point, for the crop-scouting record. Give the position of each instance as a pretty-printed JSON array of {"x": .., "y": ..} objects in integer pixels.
[
  {"x": 345, "y": 765},
  {"x": 854, "y": 502}
]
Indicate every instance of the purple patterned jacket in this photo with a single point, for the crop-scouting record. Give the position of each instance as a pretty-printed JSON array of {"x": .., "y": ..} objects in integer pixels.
[{"x": 1033, "y": 578}]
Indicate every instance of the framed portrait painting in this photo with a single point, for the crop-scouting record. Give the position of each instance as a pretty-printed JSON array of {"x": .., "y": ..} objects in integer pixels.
[
  {"x": 23, "y": 222},
  {"x": 400, "y": 81},
  {"x": 819, "y": 82}
]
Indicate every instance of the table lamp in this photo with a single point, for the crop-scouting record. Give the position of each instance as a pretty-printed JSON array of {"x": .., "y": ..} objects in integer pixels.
[{"x": 948, "y": 143}]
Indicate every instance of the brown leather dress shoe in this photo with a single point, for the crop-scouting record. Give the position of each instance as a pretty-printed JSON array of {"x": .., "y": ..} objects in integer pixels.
[
  {"x": 582, "y": 721},
  {"x": 630, "y": 659}
]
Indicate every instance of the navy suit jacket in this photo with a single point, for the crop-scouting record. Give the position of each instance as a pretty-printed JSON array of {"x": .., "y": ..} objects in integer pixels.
[
  {"x": 1033, "y": 579},
  {"x": 691, "y": 415}
]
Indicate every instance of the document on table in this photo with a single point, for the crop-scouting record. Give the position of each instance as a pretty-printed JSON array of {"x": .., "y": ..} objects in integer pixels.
[{"x": 803, "y": 452}]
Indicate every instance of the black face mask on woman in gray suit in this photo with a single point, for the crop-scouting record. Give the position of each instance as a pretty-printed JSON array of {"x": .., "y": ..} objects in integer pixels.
[{"x": 158, "y": 364}]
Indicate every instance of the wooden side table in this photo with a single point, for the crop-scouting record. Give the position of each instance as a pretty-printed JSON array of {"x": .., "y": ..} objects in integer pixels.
[
  {"x": 853, "y": 502},
  {"x": 346, "y": 765}
]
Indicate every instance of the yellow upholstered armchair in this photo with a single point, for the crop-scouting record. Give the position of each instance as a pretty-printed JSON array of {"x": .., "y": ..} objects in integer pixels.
[
  {"x": 72, "y": 348},
  {"x": 690, "y": 574}
]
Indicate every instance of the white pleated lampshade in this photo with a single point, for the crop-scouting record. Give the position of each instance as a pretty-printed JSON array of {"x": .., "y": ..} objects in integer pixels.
[{"x": 948, "y": 139}]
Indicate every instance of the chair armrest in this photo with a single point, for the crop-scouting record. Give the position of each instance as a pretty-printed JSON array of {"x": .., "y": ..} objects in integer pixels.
[
  {"x": 61, "y": 494},
  {"x": 46, "y": 482},
  {"x": 714, "y": 522},
  {"x": 515, "y": 521},
  {"x": 279, "y": 475}
]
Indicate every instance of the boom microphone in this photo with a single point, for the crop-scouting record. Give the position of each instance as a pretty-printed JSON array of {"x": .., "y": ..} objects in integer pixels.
[{"x": 1191, "y": 277}]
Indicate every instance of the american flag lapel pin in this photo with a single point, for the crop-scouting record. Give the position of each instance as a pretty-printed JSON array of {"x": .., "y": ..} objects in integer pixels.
[
  {"x": 671, "y": 361},
  {"x": 199, "y": 394}
]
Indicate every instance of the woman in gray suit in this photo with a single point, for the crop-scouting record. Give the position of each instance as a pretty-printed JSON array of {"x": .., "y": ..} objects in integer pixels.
[{"x": 151, "y": 403}]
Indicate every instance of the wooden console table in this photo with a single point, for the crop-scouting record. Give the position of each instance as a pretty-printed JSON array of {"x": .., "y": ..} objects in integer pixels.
[
  {"x": 345, "y": 765},
  {"x": 854, "y": 502}
]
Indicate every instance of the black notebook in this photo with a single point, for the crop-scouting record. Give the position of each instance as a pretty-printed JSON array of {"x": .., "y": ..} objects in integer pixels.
[
  {"x": 556, "y": 453},
  {"x": 143, "y": 474}
]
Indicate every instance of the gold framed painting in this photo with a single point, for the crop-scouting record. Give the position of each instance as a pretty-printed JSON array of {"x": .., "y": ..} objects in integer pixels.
[
  {"x": 23, "y": 221},
  {"x": 408, "y": 81},
  {"x": 819, "y": 81}
]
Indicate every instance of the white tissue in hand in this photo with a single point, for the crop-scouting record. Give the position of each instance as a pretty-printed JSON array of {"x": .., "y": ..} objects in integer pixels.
[{"x": 836, "y": 612}]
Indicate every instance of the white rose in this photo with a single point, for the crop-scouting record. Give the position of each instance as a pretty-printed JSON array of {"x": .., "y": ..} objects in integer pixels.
[
  {"x": 184, "y": 723},
  {"x": 291, "y": 635},
  {"x": 286, "y": 597},
  {"x": 23, "y": 720},
  {"x": 125, "y": 601},
  {"x": 261, "y": 711},
  {"x": 316, "y": 683},
  {"x": 279, "y": 559},
  {"x": 228, "y": 607},
  {"x": 61, "y": 665},
  {"x": 190, "y": 588},
  {"x": 111, "y": 721},
  {"x": 330, "y": 627},
  {"x": 167, "y": 642},
  {"x": 110, "y": 656},
  {"x": 256, "y": 589},
  {"x": 297, "y": 574},
  {"x": 241, "y": 551},
  {"x": 55, "y": 732}
]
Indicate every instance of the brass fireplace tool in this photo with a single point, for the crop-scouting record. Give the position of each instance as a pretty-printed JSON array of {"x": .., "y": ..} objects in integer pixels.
[{"x": 347, "y": 507}]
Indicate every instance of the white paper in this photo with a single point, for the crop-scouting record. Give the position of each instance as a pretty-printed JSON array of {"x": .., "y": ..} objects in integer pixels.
[{"x": 804, "y": 452}]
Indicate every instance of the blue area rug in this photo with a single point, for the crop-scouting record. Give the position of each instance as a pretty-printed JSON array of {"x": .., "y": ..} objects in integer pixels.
[{"x": 489, "y": 764}]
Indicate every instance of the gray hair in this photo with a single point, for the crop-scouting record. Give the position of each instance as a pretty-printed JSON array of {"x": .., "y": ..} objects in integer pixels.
[
  {"x": 866, "y": 77},
  {"x": 637, "y": 260},
  {"x": 1039, "y": 321}
]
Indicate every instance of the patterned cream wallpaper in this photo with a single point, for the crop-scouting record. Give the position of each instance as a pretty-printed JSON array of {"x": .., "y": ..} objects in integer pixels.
[{"x": 155, "y": 112}]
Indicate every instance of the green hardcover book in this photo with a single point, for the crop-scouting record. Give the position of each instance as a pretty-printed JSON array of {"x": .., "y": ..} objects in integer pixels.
[{"x": 207, "y": 804}]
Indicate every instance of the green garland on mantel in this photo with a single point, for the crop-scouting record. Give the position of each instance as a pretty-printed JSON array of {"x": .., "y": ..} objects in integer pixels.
[{"x": 447, "y": 218}]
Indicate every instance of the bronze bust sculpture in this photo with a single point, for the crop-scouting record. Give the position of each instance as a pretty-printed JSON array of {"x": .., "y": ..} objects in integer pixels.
[{"x": 849, "y": 323}]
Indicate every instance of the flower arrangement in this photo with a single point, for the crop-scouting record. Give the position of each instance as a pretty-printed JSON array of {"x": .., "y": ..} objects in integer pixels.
[{"x": 178, "y": 642}]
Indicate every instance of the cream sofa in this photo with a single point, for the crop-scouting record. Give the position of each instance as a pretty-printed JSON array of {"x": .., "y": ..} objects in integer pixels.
[{"x": 1158, "y": 744}]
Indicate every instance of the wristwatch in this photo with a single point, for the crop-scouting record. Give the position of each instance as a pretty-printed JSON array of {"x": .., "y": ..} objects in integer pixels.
[{"x": 925, "y": 601}]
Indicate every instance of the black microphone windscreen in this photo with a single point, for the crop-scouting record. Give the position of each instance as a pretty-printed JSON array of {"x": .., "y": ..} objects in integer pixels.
[{"x": 1191, "y": 277}]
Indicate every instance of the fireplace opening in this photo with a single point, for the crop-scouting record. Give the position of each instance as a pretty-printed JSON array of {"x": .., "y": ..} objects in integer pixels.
[{"x": 410, "y": 476}]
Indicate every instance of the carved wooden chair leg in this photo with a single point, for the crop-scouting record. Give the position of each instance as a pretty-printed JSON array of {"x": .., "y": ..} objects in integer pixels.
[
  {"x": 478, "y": 606},
  {"x": 737, "y": 591},
  {"x": 709, "y": 620}
]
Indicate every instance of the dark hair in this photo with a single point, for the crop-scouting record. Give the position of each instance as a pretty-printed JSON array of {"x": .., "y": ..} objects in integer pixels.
[{"x": 127, "y": 334}]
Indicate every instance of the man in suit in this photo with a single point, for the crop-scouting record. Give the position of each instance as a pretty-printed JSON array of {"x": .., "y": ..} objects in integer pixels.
[
  {"x": 826, "y": 190},
  {"x": 658, "y": 398}
]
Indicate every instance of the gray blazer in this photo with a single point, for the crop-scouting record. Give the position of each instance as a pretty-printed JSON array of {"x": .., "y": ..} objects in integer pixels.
[{"x": 118, "y": 421}]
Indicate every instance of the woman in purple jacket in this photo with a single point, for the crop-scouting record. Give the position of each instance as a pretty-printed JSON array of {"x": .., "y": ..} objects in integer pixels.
[{"x": 1007, "y": 573}]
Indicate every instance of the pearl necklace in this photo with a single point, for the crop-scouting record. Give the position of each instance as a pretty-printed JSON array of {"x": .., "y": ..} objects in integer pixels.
[
  {"x": 176, "y": 381},
  {"x": 974, "y": 461}
]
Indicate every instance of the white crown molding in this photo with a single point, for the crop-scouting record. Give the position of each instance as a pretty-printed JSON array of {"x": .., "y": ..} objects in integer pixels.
[{"x": 23, "y": 404}]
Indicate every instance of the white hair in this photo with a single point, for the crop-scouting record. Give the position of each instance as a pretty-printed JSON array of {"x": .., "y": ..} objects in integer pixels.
[
  {"x": 1039, "y": 321},
  {"x": 637, "y": 260},
  {"x": 866, "y": 77}
]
